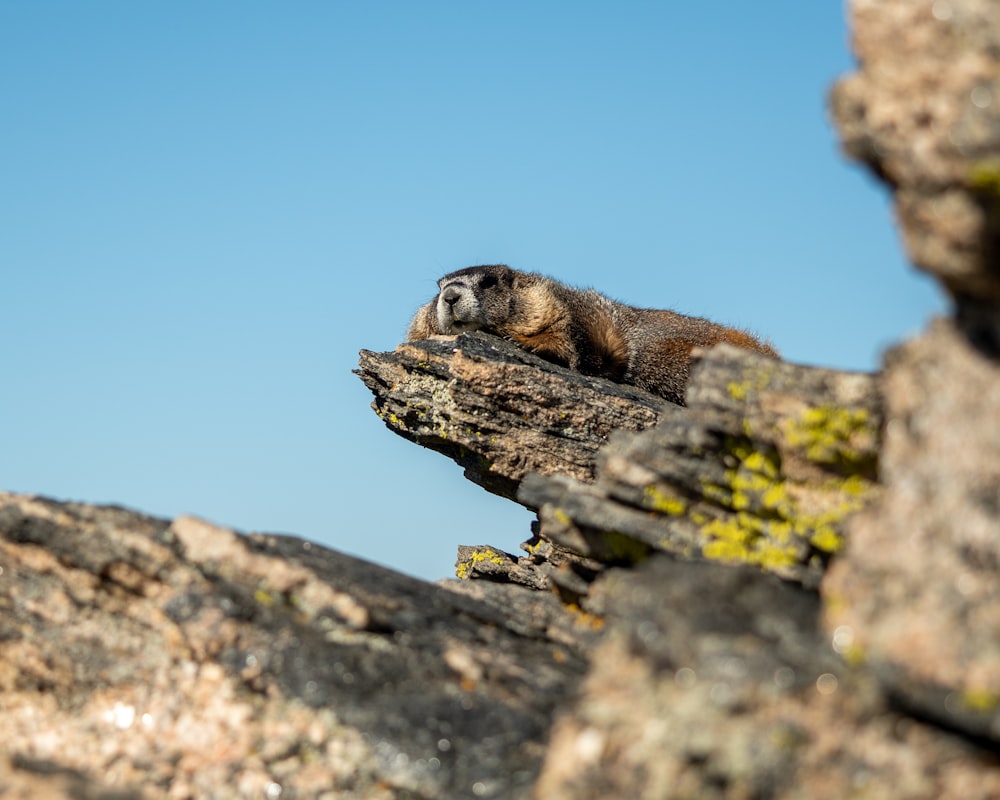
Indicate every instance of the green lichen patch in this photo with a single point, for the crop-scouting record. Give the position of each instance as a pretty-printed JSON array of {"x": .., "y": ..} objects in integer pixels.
[
  {"x": 826, "y": 539},
  {"x": 984, "y": 179},
  {"x": 739, "y": 390},
  {"x": 753, "y": 382},
  {"x": 560, "y": 516},
  {"x": 479, "y": 555},
  {"x": 761, "y": 463},
  {"x": 285, "y": 601},
  {"x": 854, "y": 655},
  {"x": 821, "y": 519},
  {"x": 266, "y": 598},
  {"x": 764, "y": 519},
  {"x": 747, "y": 539},
  {"x": 983, "y": 701},
  {"x": 833, "y": 436},
  {"x": 657, "y": 499}
]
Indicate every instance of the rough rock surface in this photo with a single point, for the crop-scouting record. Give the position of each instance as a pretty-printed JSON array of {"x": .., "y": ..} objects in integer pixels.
[
  {"x": 918, "y": 588},
  {"x": 923, "y": 111},
  {"x": 914, "y": 595},
  {"x": 762, "y": 466},
  {"x": 186, "y": 661},
  {"x": 767, "y": 465},
  {"x": 701, "y": 690},
  {"x": 632, "y": 652},
  {"x": 146, "y": 658},
  {"x": 498, "y": 411}
]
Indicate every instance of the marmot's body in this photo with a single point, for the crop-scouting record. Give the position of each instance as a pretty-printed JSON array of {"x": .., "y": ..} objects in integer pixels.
[{"x": 580, "y": 329}]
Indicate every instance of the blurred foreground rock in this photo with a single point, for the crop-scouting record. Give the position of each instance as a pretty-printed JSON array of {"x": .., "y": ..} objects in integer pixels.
[
  {"x": 146, "y": 658},
  {"x": 182, "y": 660},
  {"x": 915, "y": 593},
  {"x": 715, "y": 682},
  {"x": 919, "y": 587},
  {"x": 923, "y": 113}
]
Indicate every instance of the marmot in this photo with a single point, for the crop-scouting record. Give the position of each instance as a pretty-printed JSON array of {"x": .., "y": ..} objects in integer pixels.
[{"x": 580, "y": 329}]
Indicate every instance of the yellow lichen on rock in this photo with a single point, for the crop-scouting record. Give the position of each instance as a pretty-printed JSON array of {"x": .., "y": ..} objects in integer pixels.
[
  {"x": 827, "y": 434},
  {"x": 657, "y": 499},
  {"x": 478, "y": 556},
  {"x": 772, "y": 521}
]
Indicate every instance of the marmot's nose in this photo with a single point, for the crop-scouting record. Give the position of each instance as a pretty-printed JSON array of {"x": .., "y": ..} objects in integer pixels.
[{"x": 450, "y": 295}]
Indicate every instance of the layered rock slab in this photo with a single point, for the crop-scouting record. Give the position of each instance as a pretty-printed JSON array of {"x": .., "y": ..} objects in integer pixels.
[
  {"x": 499, "y": 411},
  {"x": 763, "y": 465}
]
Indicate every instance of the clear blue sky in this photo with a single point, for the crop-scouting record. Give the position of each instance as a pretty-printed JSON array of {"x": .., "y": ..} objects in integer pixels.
[{"x": 209, "y": 208}]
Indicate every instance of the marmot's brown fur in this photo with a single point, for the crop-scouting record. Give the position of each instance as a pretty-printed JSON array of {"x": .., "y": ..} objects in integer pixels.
[{"x": 580, "y": 329}]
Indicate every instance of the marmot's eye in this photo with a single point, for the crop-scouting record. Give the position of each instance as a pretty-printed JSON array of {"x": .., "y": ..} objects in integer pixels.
[{"x": 488, "y": 282}]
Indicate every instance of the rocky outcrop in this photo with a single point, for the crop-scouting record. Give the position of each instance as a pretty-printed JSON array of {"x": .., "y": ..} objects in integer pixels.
[
  {"x": 498, "y": 411},
  {"x": 179, "y": 659},
  {"x": 715, "y": 682},
  {"x": 913, "y": 597},
  {"x": 917, "y": 592},
  {"x": 722, "y": 681},
  {"x": 148, "y": 658},
  {"x": 786, "y": 588},
  {"x": 923, "y": 112},
  {"x": 763, "y": 465}
]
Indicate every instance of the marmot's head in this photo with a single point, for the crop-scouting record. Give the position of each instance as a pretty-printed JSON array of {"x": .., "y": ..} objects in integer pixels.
[{"x": 475, "y": 298}]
